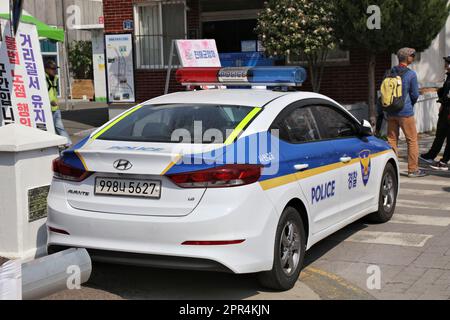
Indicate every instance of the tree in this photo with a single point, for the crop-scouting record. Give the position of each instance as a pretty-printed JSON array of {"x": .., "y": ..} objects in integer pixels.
[
  {"x": 80, "y": 59},
  {"x": 298, "y": 27},
  {"x": 403, "y": 23}
]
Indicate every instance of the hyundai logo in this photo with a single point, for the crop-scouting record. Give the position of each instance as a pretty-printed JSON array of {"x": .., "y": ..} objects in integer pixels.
[{"x": 122, "y": 165}]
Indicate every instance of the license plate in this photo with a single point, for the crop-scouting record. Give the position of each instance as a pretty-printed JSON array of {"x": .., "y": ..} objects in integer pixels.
[{"x": 128, "y": 187}]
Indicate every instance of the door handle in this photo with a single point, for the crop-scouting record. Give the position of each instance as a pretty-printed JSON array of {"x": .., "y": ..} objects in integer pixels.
[
  {"x": 301, "y": 167},
  {"x": 346, "y": 159}
]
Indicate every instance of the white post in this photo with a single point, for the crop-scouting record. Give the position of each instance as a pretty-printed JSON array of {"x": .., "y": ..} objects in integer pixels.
[
  {"x": 11, "y": 280},
  {"x": 169, "y": 67},
  {"x": 26, "y": 156}
]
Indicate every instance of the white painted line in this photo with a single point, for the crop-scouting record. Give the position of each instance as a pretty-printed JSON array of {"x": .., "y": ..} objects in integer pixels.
[
  {"x": 423, "y": 205},
  {"x": 426, "y": 181},
  {"x": 390, "y": 238},
  {"x": 421, "y": 220},
  {"x": 418, "y": 192}
]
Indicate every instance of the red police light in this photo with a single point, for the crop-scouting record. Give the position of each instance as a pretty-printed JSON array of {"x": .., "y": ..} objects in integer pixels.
[{"x": 197, "y": 75}]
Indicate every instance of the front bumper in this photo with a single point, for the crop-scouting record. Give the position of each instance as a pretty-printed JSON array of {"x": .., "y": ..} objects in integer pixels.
[{"x": 223, "y": 214}]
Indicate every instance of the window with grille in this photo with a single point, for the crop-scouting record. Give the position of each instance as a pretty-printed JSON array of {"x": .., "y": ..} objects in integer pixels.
[{"x": 157, "y": 24}]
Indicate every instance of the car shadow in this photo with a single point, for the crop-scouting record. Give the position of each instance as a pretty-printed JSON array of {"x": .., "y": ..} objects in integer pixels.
[
  {"x": 132, "y": 282},
  {"x": 329, "y": 243}
]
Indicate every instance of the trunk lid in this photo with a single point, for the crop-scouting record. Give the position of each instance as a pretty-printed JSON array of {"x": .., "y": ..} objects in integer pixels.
[{"x": 149, "y": 161}]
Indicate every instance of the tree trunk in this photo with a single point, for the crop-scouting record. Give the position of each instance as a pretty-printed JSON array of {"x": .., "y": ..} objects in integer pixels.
[
  {"x": 372, "y": 90},
  {"x": 316, "y": 65}
]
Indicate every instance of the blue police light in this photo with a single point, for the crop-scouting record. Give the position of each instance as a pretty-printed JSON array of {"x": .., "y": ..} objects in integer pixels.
[{"x": 279, "y": 75}]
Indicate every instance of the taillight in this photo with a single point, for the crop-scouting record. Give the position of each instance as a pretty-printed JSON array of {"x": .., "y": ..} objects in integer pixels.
[
  {"x": 62, "y": 170},
  {"x": 219, "y": 177}
]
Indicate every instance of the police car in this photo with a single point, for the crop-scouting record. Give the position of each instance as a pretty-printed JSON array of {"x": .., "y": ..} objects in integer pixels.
[{"x": 237, "y": 180}]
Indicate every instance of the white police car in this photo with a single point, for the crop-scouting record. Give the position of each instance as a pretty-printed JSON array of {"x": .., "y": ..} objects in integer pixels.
[{"x": 235, "y": 180}]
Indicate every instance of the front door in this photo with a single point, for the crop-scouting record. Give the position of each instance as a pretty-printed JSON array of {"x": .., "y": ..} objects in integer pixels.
[
  {"x": 355, "y": 157},
  {"x": 314, "y": 162}
]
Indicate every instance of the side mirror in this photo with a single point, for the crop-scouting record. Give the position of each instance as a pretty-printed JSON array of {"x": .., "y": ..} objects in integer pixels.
[{"x": 365, "y": 129}]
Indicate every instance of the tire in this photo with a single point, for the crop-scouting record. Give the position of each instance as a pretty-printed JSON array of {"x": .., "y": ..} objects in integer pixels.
[
  {"x": 281, "y": 277},
  {"x": 388, "y": 196}
]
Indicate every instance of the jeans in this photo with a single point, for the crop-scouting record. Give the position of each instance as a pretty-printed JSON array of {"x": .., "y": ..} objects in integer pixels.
[
  {"x": 408, "y": 126},
  {"x": 59, "y": 126},
  {"x": 442, "y": 133}
]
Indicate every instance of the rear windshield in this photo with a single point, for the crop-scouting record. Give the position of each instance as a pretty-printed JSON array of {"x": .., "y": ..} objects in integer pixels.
[{"x": 179, "y": 123}]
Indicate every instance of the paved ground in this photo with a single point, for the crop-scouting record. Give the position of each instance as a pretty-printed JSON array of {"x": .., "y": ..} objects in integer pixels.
[{"x": 412, "y": 253}]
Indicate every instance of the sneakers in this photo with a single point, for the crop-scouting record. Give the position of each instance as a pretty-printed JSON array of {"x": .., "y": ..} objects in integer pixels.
[
  {"x": 426, "y": 158},
  {"x": 417, "y": 174},
  {"x": 439, "y": 165}
]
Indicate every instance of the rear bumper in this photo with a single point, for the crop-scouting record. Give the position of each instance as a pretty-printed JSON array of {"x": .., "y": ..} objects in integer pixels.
[
  {"x": 148, "y": 260},
  {"x": 223, "y": 214}
]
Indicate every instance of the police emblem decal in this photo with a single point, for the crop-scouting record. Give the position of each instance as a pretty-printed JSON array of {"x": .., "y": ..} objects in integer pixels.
[{"x": 364, "y": 159}]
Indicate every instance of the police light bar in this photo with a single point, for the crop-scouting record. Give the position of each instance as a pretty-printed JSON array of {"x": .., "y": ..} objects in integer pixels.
[{"x": 242, "y": 76}]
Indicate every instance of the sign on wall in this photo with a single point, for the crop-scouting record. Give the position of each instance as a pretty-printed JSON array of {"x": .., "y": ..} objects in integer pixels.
[
  {"x": 119, "y": 70},
  {"x": 23, "y": 88},
  {"x": 198, "y": 53}
]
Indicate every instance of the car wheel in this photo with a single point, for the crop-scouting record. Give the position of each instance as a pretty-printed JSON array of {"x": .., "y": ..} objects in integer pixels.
[
  {"x": 388, "y": 197},
  {"x": 289, "y": 252}
]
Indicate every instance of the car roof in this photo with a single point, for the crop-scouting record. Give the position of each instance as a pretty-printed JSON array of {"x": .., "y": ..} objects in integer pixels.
[{"x": 242, "y": 97}]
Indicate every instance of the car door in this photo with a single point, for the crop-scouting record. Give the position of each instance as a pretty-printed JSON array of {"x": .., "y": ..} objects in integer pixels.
[
  {"x": 355, "y": 156},
  {"x": 312, "y": 161}
]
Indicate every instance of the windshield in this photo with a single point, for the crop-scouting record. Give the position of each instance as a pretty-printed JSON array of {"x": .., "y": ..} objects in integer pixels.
[{"x": 179, "y": 123}]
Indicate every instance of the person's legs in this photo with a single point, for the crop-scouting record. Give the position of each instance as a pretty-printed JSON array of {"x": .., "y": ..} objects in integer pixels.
[
  {"x": 408, "y": 126},
  {"x": 446, "y": 157},
  {"x": 441, "y": 135},
  {"x": 393, "y": 133},
  {"x": 59, "y": 126}
]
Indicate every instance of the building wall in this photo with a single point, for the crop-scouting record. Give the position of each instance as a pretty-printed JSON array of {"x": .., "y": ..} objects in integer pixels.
[
  {"x": 430, "y": 67},
  {"x": 346, "y": 83},
  {"x": 148, "y": 83},
  {"x": 349, "y": 83},
  {"x": 51, "y": 12}
]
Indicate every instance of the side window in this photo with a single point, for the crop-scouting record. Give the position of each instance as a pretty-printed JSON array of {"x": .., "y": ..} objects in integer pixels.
[
  {"x": 334, "y": 124},
  {"x": 299, "y": 126}
]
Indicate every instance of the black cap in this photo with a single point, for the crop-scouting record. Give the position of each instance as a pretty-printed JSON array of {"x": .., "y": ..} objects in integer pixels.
[
  {"x": 447, "y": 59},
  {"x": 50, "y": 64}
]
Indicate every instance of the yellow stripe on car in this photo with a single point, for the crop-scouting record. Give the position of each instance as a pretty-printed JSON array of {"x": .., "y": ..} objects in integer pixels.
[
  {"x": 171, "y": 164},
  {"x": 240, "y": 127},
  {"x": 82, "y": 160},
  {"x": 283, "y": 180},
  {"x": 109, "y": 126}
]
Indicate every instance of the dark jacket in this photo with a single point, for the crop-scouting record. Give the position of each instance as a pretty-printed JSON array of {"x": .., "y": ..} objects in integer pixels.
[{"x": 444, "y": 96}]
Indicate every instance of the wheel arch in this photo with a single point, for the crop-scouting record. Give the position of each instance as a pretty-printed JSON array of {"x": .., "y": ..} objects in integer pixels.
[
  {"x": 396, "y": 168},
  {"x": 298, "y": 204}
]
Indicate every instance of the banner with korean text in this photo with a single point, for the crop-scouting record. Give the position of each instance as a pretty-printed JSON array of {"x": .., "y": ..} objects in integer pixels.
[
  {"x": 23, "y": 87},
  {"x": 198, "y": 53}
]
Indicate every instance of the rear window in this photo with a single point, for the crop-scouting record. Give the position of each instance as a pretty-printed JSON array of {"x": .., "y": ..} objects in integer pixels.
[{"x": 179, "y": 123}]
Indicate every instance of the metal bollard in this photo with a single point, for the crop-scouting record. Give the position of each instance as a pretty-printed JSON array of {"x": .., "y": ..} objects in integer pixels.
[{"x": 47, "y": 275}]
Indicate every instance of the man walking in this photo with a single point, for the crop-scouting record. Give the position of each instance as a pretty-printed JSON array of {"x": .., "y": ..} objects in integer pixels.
[
  {"x": 404, "y": 118},
  {"x": 52, "y": 85},
  {"x": 443, "y": 127}
]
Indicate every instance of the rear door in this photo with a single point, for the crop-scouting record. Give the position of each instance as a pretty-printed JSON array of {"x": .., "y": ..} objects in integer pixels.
[
  {"x": 355, "y": 156},
  {"x": 313, "y": 161}
]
